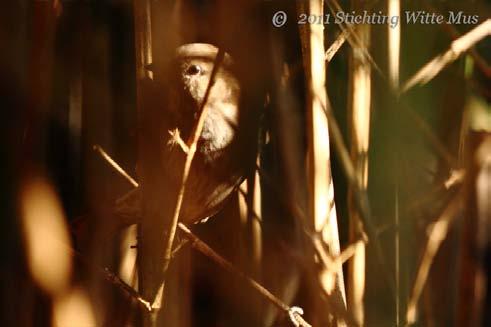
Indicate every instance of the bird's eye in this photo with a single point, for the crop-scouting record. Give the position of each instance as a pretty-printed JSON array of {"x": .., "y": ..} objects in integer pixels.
[{"x": 193, "y": 70}]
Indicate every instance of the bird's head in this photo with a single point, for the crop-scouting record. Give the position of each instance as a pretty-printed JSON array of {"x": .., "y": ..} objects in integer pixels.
[{"x": 194, "y": 64}]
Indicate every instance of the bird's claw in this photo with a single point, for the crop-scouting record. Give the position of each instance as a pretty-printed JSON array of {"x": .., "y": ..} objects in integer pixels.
[
  {"x": 175, "y": 138},
  {"x": 295, "y": 315}
]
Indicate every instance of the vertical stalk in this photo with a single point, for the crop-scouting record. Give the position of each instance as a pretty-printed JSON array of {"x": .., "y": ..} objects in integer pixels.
[
  {"x": 394, "y": 33},
  {"x": 250, "y": 213},
  {"x": 394, "y": 45},
  {"x": 321, "y": 188},
  {"x": 360, "y": 97},
  {"x": 250, "y": 216},
  {"x": 255, "y": 224},
  {"x": 149, "y": 229},
  {"x": 476, "y": 232},
  {"x": 143, "y": 39}
]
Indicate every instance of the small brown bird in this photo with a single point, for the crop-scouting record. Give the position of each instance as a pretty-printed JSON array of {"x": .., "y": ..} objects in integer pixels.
[{"x": 226, "y": 144}]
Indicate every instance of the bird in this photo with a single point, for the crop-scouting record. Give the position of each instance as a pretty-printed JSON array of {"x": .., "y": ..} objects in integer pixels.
[{"x": 225, "y": 149}]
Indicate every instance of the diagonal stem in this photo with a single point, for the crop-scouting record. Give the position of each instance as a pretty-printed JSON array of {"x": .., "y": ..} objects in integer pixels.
[{"x": 192, "y": 144}]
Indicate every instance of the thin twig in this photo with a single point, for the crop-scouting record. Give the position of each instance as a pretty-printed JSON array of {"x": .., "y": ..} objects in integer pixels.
[
  {"x": 319, "y": 246},
  {"x": 457, "y": 47},
  {"x": 330, "y": 52},
  {"x": 202, "y": 247},
  {"x": 430, "y": 136},
  {"x": 114, "y": 164},
  {"x": 351, "y": 35},
  {"x": 130, "y": 291},
  {"x": 437, "y": 234},
  {"x": 113, "y": 279},
  {"x": 192, "y": 144},
  {"x": 336, "y": 45},
  {"x": 455, "y": 178},
  {"x": 454, "y": 33},
  {"x": 337, "y": 309},
  {"x": 360, "y": 196}
]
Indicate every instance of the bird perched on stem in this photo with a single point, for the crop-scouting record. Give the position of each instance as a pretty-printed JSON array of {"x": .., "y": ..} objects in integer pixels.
[{"x": 226, "y": 146}]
